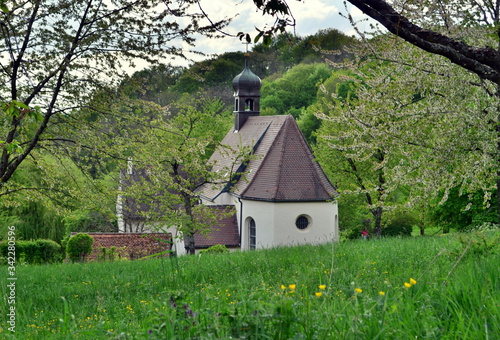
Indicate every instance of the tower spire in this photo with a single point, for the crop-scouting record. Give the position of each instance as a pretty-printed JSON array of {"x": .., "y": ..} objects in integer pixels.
[{"x": 246, "y": 87}]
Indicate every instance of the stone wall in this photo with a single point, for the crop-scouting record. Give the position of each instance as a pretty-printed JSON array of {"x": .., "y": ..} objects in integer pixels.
[{"x": 129, "y": 245}]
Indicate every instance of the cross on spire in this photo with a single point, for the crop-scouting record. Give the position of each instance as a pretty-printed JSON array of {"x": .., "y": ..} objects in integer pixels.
[{"x": 246, "y": 47}]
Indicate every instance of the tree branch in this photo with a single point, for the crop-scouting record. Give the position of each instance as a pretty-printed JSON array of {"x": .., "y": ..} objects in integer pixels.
[{"x": 485, "y": 62}]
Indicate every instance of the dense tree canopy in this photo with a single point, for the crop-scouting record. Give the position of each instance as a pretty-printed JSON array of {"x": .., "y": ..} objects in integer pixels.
[
  {"x": 58, "y": 53},
  {"x": 462, "y": 31},
  {"x": 391, "y": 123},
  {"x": 433, "y": 27}
]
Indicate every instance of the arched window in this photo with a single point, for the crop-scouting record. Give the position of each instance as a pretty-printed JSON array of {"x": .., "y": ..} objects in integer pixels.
[
  {"x": 249, "y": 105},
  {"x": 252, "y": 234}
]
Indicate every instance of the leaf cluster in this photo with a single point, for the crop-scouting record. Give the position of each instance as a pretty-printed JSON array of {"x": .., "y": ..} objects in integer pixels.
[{"x": 79, "y": 246}]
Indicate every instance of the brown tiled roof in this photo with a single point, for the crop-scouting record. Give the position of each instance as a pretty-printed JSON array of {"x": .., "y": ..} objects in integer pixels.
[
  {"x": 225, "y": 232},
  {"x": 130, "y": 245},
  {"x": 284, "y": 168}
]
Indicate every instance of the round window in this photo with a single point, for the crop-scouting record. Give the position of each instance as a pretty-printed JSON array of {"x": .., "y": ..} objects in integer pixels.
[{"x": 302, "y": 222}]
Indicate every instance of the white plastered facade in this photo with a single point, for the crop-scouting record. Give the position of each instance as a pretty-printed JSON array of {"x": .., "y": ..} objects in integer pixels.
[{"x": 275, "y": 222}]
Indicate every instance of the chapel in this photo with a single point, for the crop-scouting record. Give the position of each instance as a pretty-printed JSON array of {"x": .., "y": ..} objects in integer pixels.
[
  {"x": 280, "y": 194},
  {"x": 272, "y": 192}
]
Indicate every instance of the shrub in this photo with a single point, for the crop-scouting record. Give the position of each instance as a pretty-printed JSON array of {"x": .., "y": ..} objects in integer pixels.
[
  {"x": 478, "y": 243},
  {"x": 114, "y": 253},
  {"x": 216, "y": 249},
  {"x": 399, "y": 225},
  {"x": 20, "y": 249},
  {"x": 46, "y": 251},
  {"x": 38, "y": 251},
  {"x": 79, "y": 246},
  {"x": 350, "y": 234}
]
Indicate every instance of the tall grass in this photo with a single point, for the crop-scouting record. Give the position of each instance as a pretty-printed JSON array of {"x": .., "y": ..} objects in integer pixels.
[{"x": 353, "y": 290}]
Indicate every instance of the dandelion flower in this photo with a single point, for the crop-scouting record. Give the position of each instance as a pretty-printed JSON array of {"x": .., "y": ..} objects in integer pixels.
[
  {"x": 292, "y": 287},
  {"x": 283, "y": 287},
  {"x": 318, "y": 294},
  {"x": 412, "y": 281},
  {"x": 407, "y": 285},
  {"x": 381, "y": 293},
  {"x": 359, "y": 290},
  {"x": 322, "y": 287}
]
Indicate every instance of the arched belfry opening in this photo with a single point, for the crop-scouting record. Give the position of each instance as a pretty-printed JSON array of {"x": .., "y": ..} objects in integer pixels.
[
  {"x": 246, "y": 87},
  {"x": 249, "y": 105}
]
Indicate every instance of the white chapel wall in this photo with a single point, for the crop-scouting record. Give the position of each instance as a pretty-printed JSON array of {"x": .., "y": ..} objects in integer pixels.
[
  {"x": 275, "y": 223},
  {"x": 321, "y": 227}
]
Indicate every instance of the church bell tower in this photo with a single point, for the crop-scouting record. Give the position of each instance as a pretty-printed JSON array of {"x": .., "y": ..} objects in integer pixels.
[{"x": 246, "y": 87}]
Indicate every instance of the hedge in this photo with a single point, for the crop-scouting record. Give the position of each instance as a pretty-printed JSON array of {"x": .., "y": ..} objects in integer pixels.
[{"x": 34, "y": 252}]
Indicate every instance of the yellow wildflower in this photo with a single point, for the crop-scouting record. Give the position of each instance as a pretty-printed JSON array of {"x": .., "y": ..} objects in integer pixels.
[
  {"x": 322, "y": 287},
  {"x": 292, "y": 287},
  {"x": 412, "y": 281},
  {"x": 407, "y": 285},
  {"x": 359, "y": 290},
  {"x": 283, "y": 287},
  {"x": 381, "y": 293},
  {"x": 318, "y": 294}
]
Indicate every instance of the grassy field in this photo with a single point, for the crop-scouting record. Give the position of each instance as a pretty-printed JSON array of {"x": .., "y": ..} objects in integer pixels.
[{"x": 442, "y": 287}]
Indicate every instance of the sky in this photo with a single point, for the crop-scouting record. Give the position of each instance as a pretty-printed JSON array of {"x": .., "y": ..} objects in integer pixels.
[{"x": 310, "y": 17}]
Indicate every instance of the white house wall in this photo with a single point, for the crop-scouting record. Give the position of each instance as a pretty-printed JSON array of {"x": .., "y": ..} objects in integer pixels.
[
  {"x": 275, "y": 223},
  {"x": 223, "y": 199}
]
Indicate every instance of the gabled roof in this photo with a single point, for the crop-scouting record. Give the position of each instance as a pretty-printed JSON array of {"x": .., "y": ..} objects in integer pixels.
[{"x": 283, "y": 167}]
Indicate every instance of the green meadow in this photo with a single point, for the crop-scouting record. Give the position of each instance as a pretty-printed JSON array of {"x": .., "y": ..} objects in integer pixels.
[{"x": 440, "y": 287}]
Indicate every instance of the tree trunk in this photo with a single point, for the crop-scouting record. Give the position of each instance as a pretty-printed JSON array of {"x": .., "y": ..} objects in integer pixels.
[
  {"x": 189, "y": 244},
  {"x": 377, "y": 215},
  {"x": 188, "y": 231}
]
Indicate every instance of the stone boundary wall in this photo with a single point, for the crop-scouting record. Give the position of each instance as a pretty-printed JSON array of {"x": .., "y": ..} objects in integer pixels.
[{"x": 129, "y": 245}]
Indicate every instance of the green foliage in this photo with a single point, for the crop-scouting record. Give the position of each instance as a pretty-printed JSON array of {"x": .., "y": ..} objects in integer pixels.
[
  {"x": 463, "y": 211},
  {"x": 353, "y": 215},
  {"x": 91, "y": 48},
  {"x": 478, "y": 243},
  {"x": 35, "y": 252},
  {"x": 112, "y": 253},
  {"x": 295, "y": 90},
  {"x": 79, "y": 246},
  {"x": 289, "y": 50},
  {"x": 400, "y": 223},
  {"x": 153, "y": 84},
  {"x": 170, "y": 163},
  {"x": 90, "y": 221},
  {"x": 308, "y": 123},
  {"x": 209, "y": 73},
  {"x": 216, "y": 249},
  {"x": 388, "y": 125},
  {"x": 6, "y": 220},
  {"x": 33, "y": 220}
]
